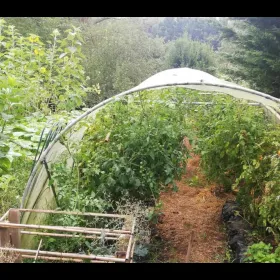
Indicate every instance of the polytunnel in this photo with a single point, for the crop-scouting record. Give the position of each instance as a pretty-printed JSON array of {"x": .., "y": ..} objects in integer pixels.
[{"x": 38, "y": 194}]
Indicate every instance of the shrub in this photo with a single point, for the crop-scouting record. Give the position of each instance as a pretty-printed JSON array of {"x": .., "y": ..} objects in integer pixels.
[
  {"x": 143, "y": 154},
  {"x": 187, "y": 53},
  {"x": 262, "y": 253}
]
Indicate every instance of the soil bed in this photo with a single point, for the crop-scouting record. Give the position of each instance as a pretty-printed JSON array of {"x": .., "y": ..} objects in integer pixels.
[{"x": 195, "y": 209}]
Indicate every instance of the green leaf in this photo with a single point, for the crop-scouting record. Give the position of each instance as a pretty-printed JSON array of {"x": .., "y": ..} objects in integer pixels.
[
  {"x": 72, "y": 49},
  {"x": 62, "y": 55},
  {"x": 5, "y": 164},
  {"x": 168, "y": 180},
  {"x": 137, "y": 183},
  {"x": 6, "y": 117}
]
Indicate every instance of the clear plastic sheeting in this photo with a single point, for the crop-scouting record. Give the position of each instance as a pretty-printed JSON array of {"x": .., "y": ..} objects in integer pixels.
[
  {"x": 180, "y": 76},
  {"x": 199, "y": 80},
  {"x": 38, "y": 194}
]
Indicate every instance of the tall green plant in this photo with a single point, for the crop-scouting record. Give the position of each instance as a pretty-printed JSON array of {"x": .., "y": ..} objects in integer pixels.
[
  {"x": 41, "y": 73},
  {"x": 36, "y": 77},
  {"x": 187, "y": 53}
]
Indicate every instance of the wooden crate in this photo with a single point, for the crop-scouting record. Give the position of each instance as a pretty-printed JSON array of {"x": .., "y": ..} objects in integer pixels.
[{"x": 11, "y": 231}]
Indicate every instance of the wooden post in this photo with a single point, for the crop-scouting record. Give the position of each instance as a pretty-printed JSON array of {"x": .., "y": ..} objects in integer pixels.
[
  {"x": 189, "y": 248},
  {"x": 14, "y": 233},
  {"x": 4, "y": 237}
]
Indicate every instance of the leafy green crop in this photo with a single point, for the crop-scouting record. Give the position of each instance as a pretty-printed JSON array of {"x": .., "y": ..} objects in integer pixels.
[
  {"x": 240, "y": 150},
  {"x": 262, "y": 253},
  {"x": 144, "y": 151},
  {"x": 227, "y": 134}
]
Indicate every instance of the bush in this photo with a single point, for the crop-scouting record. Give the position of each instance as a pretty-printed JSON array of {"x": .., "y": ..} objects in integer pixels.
[
  {"x": 143, "y": 154},
  {"x": 227, "y": 135},
  {"x": 34, "y": 75},
  {"x": 241, "y": 151},
  {"x": 120, "y": 55},
  {"x": 187, "y": 53},
  {"x": 262, "y": 253}
]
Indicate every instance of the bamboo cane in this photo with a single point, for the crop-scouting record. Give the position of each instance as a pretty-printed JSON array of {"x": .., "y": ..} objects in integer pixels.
[
  {"x": 37, "y": 253},
  {"x": 68, "y": 255},
  {"x": 59, "y": 228},
  {"x": 64, "y": 235},
  {"x": 73, "y": 213},
  {"x": 132, "y": 252},
  {"x": 102, "y": 229},
  {"x": 61, "y": 259},
  {"x": 4, "y": 216},
  {"x": 130, "y": 240}
]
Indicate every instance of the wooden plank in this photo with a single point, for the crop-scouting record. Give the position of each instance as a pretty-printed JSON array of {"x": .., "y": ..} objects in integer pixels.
[
  {"x": 14, "y": 217},
  {"x": 4, "y": 233},
  {"x": 4, "y": 237}
]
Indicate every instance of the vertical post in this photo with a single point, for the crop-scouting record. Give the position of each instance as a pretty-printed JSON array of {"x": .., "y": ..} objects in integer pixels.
[
  {"x": 14, "y": 233},
  {"x": 189, "y": 247},
  {"x": 4, "y": 237}
]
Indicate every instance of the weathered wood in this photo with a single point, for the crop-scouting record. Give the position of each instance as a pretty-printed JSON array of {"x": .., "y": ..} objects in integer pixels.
[
  {"x": 130, "y": 241},
  {"x": 132, "y": 252},
  {"x": 120, "y": 254},
  {"x": 73, "y": 213},
  {"x": 67, "y": 229},
  {"x": 4, "y": 237},
  {"x": 65, "y": 235},
  {"x": 10, "y": 231},
  {"x": 189, "y": 248},
  {"x": 67, "y": 255},
  {"x": 14, "y": 217},
  {"x": 4, "y": 234},
  {"x": 60, "y": 259},
  {"x": 4, "y": 216},
  {"x": 37, "y": 253},
  {"x": 120, "y": 231}
]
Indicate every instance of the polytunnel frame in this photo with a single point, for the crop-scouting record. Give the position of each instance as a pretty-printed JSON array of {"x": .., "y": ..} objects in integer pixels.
[{"x": 42, "y": 159}]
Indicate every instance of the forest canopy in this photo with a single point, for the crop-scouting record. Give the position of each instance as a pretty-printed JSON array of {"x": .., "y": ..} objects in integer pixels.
[{"x": 120, "y": 52}]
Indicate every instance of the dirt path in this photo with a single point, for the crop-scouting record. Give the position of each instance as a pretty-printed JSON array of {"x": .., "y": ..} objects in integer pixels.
[{"x": 196, "y": 207}]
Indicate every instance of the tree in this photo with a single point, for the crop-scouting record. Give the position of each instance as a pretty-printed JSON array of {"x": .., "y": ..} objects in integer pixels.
[
  {"x": 206, "y": 30},
  {"x": 120, "y": 55},
  {"x": 253, "y": 50},
  {"x": 187, "y": 53},
  {"x": 41, "y": 26}
]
